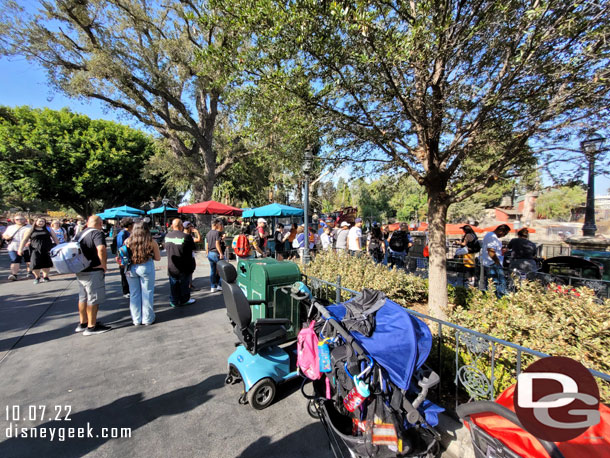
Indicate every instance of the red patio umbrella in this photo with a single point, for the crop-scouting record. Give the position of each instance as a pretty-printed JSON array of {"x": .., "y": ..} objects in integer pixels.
[{"x": 210, "y": 207}]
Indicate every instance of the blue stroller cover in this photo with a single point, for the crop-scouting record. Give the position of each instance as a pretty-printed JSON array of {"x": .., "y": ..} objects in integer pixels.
[{"x": 400, "y": 344}]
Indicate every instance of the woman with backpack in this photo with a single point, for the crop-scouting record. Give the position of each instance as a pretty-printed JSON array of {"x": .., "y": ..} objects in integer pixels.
[
  {"x": 140, "y": 273},
  {"x": 376, "y": 245},
  {"x": 41, "y": 242},
  {"x": 471, "y": 242}
]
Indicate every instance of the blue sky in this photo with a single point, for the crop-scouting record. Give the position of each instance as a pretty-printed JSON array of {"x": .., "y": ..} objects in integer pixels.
[{"x": 24, "y": 83}]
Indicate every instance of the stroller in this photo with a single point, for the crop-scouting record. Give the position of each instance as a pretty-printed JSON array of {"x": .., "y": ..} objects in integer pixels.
[
  {"x": 497, "y": 433},
  {"x": 383, "y": 348}
]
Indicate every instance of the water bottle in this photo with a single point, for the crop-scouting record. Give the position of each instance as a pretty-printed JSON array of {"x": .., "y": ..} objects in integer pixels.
[
  {"x": 357, "y": 395},
  {"x": 324, "y": 356}
]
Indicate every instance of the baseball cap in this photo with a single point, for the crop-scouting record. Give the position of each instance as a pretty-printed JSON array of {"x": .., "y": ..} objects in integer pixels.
[
  {"x": 358, "y": 220},
  {"x": 186, "y": 224},
  {"x": 344, "y": 223},
  {"x": 262, "y": 220}
]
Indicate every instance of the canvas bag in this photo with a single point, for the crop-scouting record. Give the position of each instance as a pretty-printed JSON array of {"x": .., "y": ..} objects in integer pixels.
[
  {"x": 68, "y": 258},
  {"x": 308, "y": 359}
]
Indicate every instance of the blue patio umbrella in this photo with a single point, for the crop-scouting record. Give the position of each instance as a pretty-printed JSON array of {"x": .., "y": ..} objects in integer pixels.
[
  {"x": 115, "y": 214},
  {"x": 126, "y": 209},
  {"x": 270, "y": 210},
  {"x": 161, "y": 209}
]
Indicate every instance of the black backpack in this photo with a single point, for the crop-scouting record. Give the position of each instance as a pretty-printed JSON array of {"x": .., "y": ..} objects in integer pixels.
[
  {"x": 374, "y": 245},
  {"x": 398, "y": 241}
]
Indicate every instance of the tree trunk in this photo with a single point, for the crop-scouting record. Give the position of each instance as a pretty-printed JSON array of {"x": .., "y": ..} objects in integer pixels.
[
  {"x": 202, "y": 191},
  {"x": 437, "y": 273}
]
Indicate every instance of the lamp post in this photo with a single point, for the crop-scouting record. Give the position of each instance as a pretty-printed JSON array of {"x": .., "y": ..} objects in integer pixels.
[
  {"x": 590, "y": 147},
  {"x": 307, "y": 165},
  {"x": 165, "y": 201}
]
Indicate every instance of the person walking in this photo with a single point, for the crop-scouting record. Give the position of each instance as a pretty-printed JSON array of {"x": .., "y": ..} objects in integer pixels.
[
  {"x": 492, "y": 260},
  {"x": 261, "y": 236},
  {"x": 278, "y": 239},
  {"x": 471, "y": 243},
  {"x": 191, "y": 230},
  {"x": 376, "y": 245},
  {"x": 59, "y": 231},
  {"x": 41, "y": 241},
  {"x": 121, "y": 238},
  {"x": 326, "y": 239},
  {"x": 215, "y": 253},
  {"x": 354, "y": 238},
  {"x": 91, "y": 284},
  {"x": 179, "y": 248},
  {"x": 13, "y": 235},
  {"x": 342, "y": 234},
  {"x": 399, "y": 243},
  {"x": 144, "y": 251},
  {"x": 523, "y": 252}
]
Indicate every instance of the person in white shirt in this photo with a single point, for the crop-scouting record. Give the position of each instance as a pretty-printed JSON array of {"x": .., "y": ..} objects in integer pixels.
[
  {"x": 326, "y": 239},
  {"x": 491, "y": 260},
  {"x": 354, "y": 238},
  {"x": 13, "y": 235}
]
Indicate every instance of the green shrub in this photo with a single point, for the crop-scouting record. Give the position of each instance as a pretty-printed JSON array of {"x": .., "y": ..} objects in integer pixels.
[
  {"x": 570, "y": 324},
  {"x": 358, "y": 273}
]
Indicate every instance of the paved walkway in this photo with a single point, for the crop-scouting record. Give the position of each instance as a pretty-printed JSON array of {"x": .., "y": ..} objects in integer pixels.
[{"x": 165, "y": 382}]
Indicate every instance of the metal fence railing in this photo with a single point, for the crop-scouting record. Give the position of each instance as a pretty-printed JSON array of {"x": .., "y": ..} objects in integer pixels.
[{"x": 472, "y": 365}]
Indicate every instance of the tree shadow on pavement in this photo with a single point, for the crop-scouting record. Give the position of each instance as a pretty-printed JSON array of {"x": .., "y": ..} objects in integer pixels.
[
  {"x": 305, "y": 443},
  {"x": 127, "y": 412}
]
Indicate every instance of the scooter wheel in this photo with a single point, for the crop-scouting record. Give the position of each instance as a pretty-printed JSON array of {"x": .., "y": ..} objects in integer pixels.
[
  {"x": 312, "y": 409},
  {"x": 261, "y": 395}
]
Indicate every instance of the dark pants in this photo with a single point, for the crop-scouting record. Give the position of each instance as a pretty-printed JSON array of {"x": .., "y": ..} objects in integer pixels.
[
  {"x": 124, "y": 283},
  {"x": 397, "y": 260},
  {"x": 179, "y": 291}
]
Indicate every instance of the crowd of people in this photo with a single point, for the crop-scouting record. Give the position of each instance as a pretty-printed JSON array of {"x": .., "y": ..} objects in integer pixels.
[{"x": 30, "y": 243}]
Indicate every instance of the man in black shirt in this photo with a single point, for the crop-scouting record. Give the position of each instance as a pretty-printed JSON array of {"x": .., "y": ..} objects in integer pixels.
[
  {"x": 523, "y": 252},
  {"x": 179, "y": 247},
  {"x": 215, "y": 253},
  {"x": 92, "y": 289}
]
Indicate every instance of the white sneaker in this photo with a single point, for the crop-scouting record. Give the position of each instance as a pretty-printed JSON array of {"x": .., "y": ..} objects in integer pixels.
[
  {"x": 219, "y": 288},
  {"x": 212, "y": 290}
]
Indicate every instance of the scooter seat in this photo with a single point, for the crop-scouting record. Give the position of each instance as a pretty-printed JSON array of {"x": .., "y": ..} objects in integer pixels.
[{"x": 271, "y": 335}]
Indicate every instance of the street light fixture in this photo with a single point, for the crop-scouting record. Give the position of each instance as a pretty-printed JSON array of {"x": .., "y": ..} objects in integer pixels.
[
  {"x": 591, "y": 147},
  {"x": 165, "y": 201},
  {"x": 307, "y": 167}
]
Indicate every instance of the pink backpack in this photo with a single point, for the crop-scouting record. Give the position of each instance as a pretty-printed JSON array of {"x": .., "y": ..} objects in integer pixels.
[{"x": 308, "y": 360}]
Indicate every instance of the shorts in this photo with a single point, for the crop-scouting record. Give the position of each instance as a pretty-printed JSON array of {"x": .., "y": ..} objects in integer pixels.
[
  {"x": 16, "y": 259},
  {"x": 91, "y": 287}
]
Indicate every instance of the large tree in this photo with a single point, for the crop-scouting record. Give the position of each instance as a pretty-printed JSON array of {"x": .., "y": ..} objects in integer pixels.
[
  {"x": 164, "y": 63},
  {"x": 63, "y": 159},
  {"x": 451, "y": 91}
]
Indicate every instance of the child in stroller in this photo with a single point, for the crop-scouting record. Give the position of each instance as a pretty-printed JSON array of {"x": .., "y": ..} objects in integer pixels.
[{"x": 380, "y": 363}]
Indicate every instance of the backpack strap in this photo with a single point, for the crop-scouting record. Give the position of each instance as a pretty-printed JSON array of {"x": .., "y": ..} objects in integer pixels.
[{"x": 84, "y": 233}]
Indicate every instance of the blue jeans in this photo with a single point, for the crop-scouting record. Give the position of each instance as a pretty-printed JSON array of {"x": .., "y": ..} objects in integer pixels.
[
  {"x": 141, "y": 280},
  {"x": 179, "y": 290},
  {"x": 213, "y": 257},
  {"x": 496, "y": 273}
]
